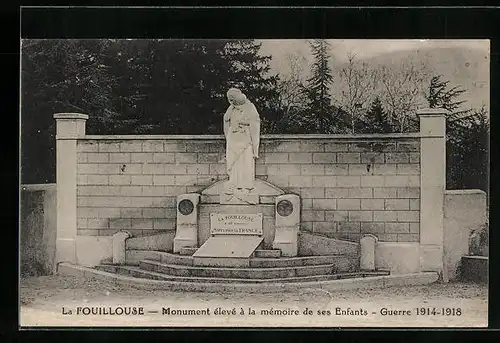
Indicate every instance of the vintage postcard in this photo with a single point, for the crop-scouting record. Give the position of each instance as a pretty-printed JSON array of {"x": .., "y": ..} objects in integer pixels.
[{"x": 254, "y": 183}]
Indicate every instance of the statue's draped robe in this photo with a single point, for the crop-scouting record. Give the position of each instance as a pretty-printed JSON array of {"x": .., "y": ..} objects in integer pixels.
[{"x": 242, "y": 131}]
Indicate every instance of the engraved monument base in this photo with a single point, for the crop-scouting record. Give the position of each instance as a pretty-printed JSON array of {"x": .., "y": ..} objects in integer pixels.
[
  {"x": 233, "y": 246},
  {"x": 227, "y": 251},
  {"x": 234, "y": 238}
]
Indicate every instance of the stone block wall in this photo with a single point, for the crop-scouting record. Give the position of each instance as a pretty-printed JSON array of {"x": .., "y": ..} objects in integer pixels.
[
  {"x": 464, "y": 211},
  {"x": 133, "y": 184},
  {"x": 349, "y": 185},
  {"x": 349, "y": 188}
]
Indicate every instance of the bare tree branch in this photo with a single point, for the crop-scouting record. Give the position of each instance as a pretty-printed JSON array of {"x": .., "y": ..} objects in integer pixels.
[{"x": 354, "y": 89}]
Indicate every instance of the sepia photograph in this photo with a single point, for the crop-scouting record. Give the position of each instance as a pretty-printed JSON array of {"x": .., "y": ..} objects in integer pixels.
[{"x": 254, "y": 183}]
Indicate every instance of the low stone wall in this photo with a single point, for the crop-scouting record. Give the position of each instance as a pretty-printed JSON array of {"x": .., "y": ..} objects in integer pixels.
[
  {"x": 474, "y": 268},
  {"x": 38, "y": 229},
  {"x": 349, "y": 185},
  {"x": 310, "y": 245},
  {"x": 464, "y": 211},
  {"x": 398, "y": 258}
]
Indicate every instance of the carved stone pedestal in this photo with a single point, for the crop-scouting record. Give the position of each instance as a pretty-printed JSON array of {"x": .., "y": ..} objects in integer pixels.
[
  {"x": 287, "y": 224},
  {"x": 186, "y": 234}
]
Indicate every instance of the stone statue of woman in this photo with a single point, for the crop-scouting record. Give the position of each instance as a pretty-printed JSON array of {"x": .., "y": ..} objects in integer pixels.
[{"x": 242, "y": 132}]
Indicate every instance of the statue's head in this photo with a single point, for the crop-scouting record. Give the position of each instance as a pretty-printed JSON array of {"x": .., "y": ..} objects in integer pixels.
[{"x": 236, "y": 97}]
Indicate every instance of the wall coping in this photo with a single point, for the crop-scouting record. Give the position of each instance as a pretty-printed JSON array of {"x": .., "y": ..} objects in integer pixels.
[
  {"x": 39, "y": 187},
  {"x": 432, "y": 112},
  {"x": 71, "y": 116},
  {"x": 463, "y": 191},
  {"x": 476, "y": 257},
  {"x": 386, "y": 136}
]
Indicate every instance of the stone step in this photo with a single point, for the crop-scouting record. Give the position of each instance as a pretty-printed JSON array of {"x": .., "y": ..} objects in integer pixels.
[
  {"x": 238, "y": 273},
  {"x": 272, "y": 253},
  {"x": 137, "y": 272},
  {"x": 221, "y": 262},
  {"x": 343, "y": 263},
  {"x": 133, "y": 257}
]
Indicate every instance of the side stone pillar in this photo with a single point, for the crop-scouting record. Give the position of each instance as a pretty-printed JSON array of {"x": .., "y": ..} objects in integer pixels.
[
  {"x": 119, "y": 246},
  {"x": 186, "y": 232},
  {"x": 287, "y": 224},
  {"x": 432, "y": 188},
  {"x": 69, "y": 127},
  {"x": 367, "y": 252}
]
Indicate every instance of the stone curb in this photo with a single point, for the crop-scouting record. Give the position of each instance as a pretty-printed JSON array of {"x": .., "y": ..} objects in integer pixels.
[{"x": 68, "y": 269}]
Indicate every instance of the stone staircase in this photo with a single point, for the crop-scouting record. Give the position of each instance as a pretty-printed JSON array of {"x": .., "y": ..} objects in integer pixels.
[{"x": 264, "y": 266}]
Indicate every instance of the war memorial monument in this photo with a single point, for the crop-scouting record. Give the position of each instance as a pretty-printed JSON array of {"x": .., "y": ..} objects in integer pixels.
[{"x": 246, "y": 211}]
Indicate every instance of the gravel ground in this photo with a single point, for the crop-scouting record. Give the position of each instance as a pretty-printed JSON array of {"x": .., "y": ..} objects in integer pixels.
[{"x": 47, "y": 301}]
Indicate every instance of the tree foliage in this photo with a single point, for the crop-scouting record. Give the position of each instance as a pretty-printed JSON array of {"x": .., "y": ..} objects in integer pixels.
[
  {"x": 467, "y": 136},
  {"x": 376, "y": 119},
  {"x": 401, "y": 88},
  {"x": 292, "y": 100},
  {"x": 441, "y": 97},
  {"x": 60, "y": 76},
  {"x": 161, "y": 86},
  {"x": 250, "y": 72},
  {"x": 468, "y": 153},
  {"x": 134, "y": 86},
  {"x": 355, "y": 89},
  {"x": 321, "y": 116}
]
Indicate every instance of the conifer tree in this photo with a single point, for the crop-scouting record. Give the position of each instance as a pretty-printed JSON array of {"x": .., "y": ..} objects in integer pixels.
[
  {"x": 467, "y": 150},
  {"x": 321, "y": 116},
  {"x": 467, "y": 133},
  {"x": 441, "y": 97},
  {"x": 376, "y": 120},
  {"x": 249, "y": 71},
  {"x": 153, "y": 86},
  {"x": 60, "y": 76}
]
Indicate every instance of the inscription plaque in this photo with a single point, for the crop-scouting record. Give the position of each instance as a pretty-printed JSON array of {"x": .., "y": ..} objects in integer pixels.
[{"x": 235, "y": 224}]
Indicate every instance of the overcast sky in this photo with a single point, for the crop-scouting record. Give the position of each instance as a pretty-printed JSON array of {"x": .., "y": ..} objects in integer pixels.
[
  {"x": 475, "y": 79},
  {"x": 365, "y": 48}
]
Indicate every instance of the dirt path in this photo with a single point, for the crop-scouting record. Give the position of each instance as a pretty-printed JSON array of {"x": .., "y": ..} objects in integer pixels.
[{"x": 44, "y": 299}]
